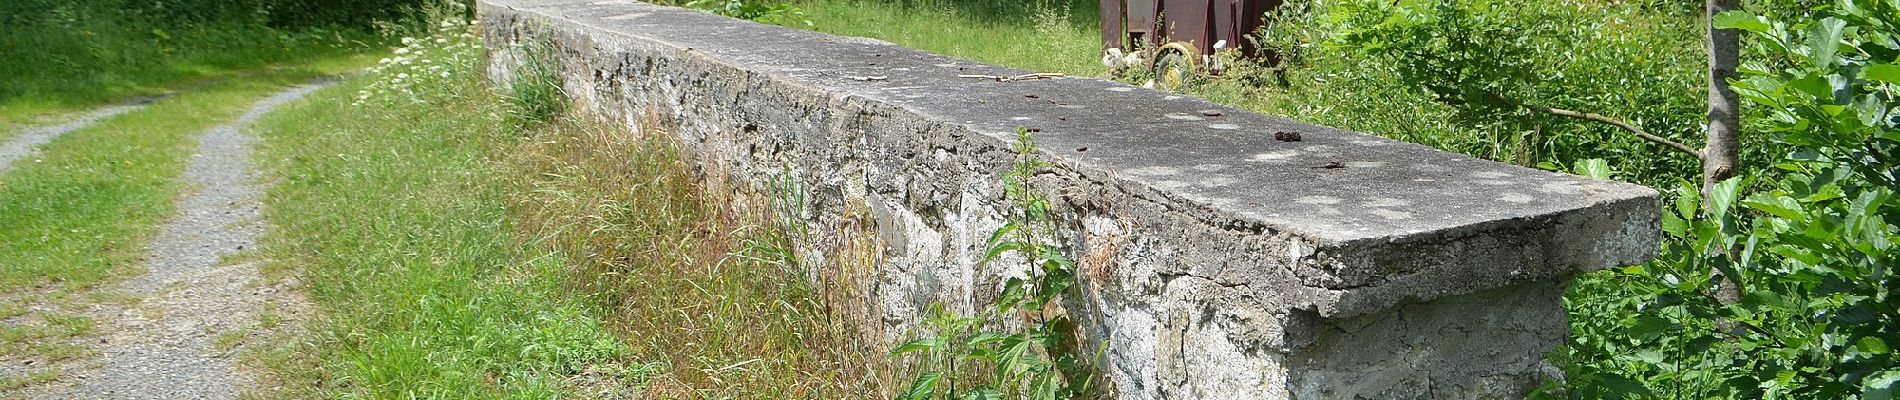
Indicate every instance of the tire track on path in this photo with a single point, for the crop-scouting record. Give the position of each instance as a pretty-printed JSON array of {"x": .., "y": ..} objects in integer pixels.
[
  {"x": 34, "y": 137},
  {"x": 168, "y": 347}
]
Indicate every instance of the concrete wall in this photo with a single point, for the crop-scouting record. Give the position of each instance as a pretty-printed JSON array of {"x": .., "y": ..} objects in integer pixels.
[{"x": 1217, "y": 262}]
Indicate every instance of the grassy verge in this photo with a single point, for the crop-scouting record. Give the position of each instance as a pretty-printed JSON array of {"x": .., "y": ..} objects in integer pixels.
[
  {"x": 75, "y": 216},
  {"x": 1044, "y": 36},
  {"x": 397, "y": 222},
  {"x": 454, "y": 249}
]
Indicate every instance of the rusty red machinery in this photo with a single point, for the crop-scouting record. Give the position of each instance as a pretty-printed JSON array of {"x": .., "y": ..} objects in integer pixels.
[{"x": 1175, "y": 38}]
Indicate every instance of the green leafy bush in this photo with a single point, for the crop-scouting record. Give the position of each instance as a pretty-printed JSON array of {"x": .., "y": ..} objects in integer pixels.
[
  {"x": 1810, "y": 239},
  {"x": 1471, "y": 76}
]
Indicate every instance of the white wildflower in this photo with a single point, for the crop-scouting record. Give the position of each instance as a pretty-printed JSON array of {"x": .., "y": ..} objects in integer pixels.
[
  {"x": 402, "y": 50},
  {"x": 445, "y": 74}
]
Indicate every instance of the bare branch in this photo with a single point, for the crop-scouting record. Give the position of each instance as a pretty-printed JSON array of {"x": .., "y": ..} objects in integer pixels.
[{"x": 1626, "y": 126}]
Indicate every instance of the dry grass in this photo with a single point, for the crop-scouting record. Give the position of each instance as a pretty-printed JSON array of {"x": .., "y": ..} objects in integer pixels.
[{"x": 701, "y": 281}]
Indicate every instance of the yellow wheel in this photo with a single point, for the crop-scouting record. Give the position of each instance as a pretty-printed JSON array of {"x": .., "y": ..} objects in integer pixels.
[{"x": 1172, "y": 70}]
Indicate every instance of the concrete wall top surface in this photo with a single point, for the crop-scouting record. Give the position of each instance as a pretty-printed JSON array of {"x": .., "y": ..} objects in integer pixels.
[{"x": 1338, "y": 189}]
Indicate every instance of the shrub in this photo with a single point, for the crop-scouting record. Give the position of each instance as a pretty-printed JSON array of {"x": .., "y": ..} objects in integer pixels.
[{"x": 1811, "y": 239}]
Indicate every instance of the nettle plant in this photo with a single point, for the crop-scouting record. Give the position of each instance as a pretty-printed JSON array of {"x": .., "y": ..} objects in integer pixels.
[
  {"x": 422, "y": 69},
  {"x": 1013, "y": 348},
  {"x": 1811, "y": 240}
]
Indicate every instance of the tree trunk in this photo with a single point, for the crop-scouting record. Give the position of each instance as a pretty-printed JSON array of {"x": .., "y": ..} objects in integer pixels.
[{"x": 1719, "y": 155}]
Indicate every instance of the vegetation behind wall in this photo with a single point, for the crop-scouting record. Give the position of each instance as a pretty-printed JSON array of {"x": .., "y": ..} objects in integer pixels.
[{"x": 62, "y": 54}]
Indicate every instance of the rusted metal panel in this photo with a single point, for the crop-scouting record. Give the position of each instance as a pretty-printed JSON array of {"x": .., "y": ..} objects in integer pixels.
[
  {"x": 1201, "y": 23},
  {"x": 1223, "y": 25},
  {"x": 1187, "y": 21},
  {"x": 1141, "y": 16}
]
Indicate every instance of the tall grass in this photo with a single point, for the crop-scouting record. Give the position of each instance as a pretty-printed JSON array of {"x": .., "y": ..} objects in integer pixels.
[
  {"x": 454, "y": 251},
  {"x": 398, "y": 224},
  {"x": 701, "y": 281}
]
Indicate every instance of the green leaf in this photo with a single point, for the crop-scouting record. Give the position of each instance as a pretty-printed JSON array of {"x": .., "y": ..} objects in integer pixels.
[
  {"x": 923, "y": 387},
  {"x": 1594, "y": 168},
  {"x": 1824, "y": 41},
  {"x": 1888, "y": 73},
  {"x": 1675, "y": 226},
  {"x": 1813, "y": 85},
  {"x": 983, "y": 394},
  {"x": 1688, "y": 199},
  {"x": 987, "y": 338},
  {"x": 918, "y": 345},
  {"x": 1871, "y": 345},
  {"x": 1012, "y": 294},
  {"x": 1650, "y": 327},
  {"x": 998, "y": 249},
  {"x": 1652, "y": 357},
  {"x": 1742, "y": 20},
  {"x": 1722, "y": 197},
  {"x": 1881, "y": 385},
  {"x": 1780, "y": 206},
  {"x": 1000, "y": 233}
]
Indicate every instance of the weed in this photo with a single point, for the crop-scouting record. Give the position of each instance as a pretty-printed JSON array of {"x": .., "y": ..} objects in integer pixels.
[
  {"x": 986, "y": 356},
  {"x": 535, "y": 96},
  {"x": 423, "y": 69}
]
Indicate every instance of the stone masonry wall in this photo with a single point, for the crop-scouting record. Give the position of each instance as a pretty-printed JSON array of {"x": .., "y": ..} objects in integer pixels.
[{"x": 1217, "y": 263}]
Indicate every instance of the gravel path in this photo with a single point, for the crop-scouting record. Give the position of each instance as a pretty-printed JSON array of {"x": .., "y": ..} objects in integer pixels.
[
  {"x": 169, "y": 347},
  {"x": 33, "y": 138}
]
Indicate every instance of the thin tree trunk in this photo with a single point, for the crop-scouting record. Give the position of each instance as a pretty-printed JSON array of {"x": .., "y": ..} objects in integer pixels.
[{"x": 1719, "y": 156}]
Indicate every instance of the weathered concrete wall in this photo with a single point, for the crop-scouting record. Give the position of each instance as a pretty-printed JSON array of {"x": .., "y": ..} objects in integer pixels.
[{"x": 1217, "y": 262}]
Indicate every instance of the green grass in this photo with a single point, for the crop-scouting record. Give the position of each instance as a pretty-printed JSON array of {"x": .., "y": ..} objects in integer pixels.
[
  {"x": 77, "y": 215},
  {"x": 34, "y": 378},
  {"x": 455, "y": 249},
  {"x": 1051, "y": 36},
  {"x": 78, "y": 212},
  {"x": 69, "y": 56},
  {"x": 398, "y": 223}
]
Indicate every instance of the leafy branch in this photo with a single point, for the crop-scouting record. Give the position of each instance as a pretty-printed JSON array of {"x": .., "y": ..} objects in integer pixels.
[{"x": 1624, "y": 125}]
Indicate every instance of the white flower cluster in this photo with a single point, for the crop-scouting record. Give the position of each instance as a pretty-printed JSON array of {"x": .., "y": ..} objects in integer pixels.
[{"x": 424, "y": 68}]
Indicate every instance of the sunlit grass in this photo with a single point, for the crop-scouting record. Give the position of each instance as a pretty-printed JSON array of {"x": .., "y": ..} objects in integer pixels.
[
  {"x": 1052, "y": 36},
  {"x": 78, "y": 212}
]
